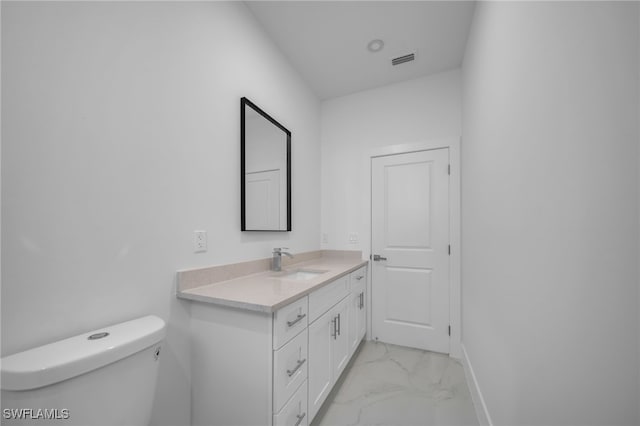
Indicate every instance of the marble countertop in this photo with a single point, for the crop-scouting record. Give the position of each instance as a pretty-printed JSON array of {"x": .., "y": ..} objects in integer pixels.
[{"x": 268, "y": 291}]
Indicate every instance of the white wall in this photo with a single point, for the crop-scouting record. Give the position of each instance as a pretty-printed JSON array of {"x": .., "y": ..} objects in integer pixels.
[
  {"x": 415, "y": 111},
  {"x": 120, "y": 138},
  {"x": 550, "y": 211}
]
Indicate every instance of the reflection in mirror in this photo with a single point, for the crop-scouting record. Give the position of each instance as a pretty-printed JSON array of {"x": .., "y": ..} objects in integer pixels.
[{"x": 265, "y": 171}]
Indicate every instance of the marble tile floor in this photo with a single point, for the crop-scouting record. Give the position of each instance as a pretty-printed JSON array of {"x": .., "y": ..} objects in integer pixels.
[{"x": 393, "y": 385}]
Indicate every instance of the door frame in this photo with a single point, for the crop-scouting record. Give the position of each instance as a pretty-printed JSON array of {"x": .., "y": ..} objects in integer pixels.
[{"x": 455, "y": 301}]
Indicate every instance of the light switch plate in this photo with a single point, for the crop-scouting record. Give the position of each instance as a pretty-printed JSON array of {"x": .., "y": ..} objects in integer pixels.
[{"x": 353, "y": 238}]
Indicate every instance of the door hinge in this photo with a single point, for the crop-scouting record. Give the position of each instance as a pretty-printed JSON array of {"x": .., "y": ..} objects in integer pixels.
[
  {"x": 449, "y": 169},
  {"x": 449, "y": 330},
  {"x": 449, "y": 249}
]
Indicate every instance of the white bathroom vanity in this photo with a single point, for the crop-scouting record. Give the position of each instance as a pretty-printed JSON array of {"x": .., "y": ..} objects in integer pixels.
[{"x": 267, "y": 348}]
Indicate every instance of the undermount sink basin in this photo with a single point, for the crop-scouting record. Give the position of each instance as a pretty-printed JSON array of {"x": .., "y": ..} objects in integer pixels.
[{"x": 302, "y": 274}]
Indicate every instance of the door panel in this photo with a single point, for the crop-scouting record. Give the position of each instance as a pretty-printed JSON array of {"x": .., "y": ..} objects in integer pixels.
[
  {"x": 410, "y": 310},
  {"x": 407, "y": 205},
  {"x": 410, "y": 229}
]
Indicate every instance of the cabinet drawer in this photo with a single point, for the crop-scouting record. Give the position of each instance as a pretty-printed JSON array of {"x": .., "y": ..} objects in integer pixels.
[
  {"x": 289, "y": 369},
  {"x": 358, "y": 276},
  {"x": 294, "y": 413},
  {"x": 289, "y": 321},
  {"x": 321, "y": 300}
]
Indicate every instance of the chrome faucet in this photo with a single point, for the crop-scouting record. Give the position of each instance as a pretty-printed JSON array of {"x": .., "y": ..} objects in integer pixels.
[{"x": 276, "y": 264}]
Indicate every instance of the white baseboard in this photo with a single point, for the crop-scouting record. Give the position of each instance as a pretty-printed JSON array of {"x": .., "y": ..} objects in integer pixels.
[{"x": 478, "y": 401}]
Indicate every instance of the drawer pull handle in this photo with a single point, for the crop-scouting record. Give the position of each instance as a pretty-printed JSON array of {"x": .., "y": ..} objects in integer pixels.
[
  {"x": 292, "y": 372},
  {"x": 300, "y": 417},
  {"x": 360, "y": 277},
  {"x": 295, "y": 321},
  {"x": 335, "y": 330},
  {"x": 339, "y": 325},
  {"x": 361, "y": 300}
]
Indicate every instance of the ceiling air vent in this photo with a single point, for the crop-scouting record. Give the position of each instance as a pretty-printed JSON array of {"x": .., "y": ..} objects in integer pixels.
[{"x": 402, "y": 59}]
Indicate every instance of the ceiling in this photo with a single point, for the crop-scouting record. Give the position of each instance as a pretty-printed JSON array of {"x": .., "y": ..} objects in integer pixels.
[{"x": 326, "y": 41}]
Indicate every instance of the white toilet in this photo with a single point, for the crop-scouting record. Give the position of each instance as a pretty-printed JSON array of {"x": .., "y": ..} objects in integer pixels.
[{"x": 104, "y": 377}]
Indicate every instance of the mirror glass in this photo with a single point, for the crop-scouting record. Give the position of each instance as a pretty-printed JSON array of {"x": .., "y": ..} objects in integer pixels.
[{"x": 265, "y": 171}]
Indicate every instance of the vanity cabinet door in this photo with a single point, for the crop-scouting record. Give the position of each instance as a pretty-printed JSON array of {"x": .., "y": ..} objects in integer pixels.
[
  {"x": 320, "y": 352},
  {"x": 328, "y": 353},
  {"x": 357, "y": 324},
  {"x": 361, "y": 318},
  {"x": 340, "y": 353}
]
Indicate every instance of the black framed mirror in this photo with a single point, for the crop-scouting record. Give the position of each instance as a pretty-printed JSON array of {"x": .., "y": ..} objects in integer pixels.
[{"x": 265, "y": 171}]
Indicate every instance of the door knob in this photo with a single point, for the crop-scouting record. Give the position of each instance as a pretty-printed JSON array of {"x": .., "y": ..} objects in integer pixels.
[{"x": 377, "y": 257}]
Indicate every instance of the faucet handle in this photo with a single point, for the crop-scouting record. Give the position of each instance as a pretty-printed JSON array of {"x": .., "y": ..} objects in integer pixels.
[{"x": 279, "y": 249}]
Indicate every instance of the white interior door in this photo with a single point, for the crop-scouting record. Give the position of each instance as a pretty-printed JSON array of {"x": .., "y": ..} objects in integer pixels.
[
  {"x": 263, "y": 200},
  {"x": 410, "y": 234}
]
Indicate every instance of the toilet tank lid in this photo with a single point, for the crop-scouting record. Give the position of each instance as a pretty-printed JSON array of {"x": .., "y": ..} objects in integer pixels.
[{"x": 65, "y": 359}]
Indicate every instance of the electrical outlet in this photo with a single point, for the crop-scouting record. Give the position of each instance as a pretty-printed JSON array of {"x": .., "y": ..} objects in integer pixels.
[
  {"x": 199, "y": 241},
  {"x": 353, "y": 238}
]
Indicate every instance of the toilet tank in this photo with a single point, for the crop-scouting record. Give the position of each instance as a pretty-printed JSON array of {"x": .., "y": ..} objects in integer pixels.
[{"x": 102, "y": 377}]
